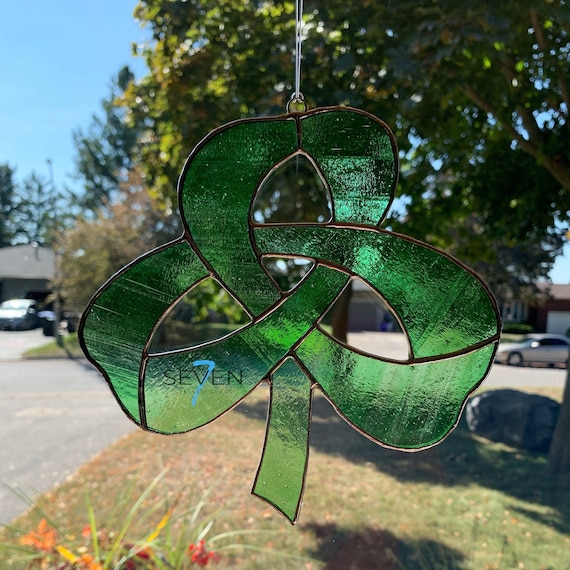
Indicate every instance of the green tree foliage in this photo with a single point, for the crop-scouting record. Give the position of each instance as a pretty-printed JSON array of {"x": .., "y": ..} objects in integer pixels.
[
  {"x": 476, "y": 92},
  {"x": 498, "y": 216},
  {"x": 30, "y": 211},
  {"x": 107, "y": 151},
  {"x": 485, "y": 87},
  {"x": 8, "y": 205},
  {"x": 452, "y": 72},
  {"x": 471, "y": 69},
  {"x": 210, "y": 63}
]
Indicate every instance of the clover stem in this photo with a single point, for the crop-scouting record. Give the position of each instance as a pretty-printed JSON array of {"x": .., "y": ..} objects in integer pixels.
[{"x": 281, "y": 475}]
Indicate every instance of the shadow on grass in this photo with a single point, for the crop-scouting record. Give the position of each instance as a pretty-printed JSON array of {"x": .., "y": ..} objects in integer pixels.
[
  {"x": 460, "y": 459},
  {"x": 370, "y": 548}
]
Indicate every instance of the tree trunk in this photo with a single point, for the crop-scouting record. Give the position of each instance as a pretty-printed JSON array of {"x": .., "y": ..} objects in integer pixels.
[
  {"x": 559, "y": 453},
  {"x": 340, "y": 315}
]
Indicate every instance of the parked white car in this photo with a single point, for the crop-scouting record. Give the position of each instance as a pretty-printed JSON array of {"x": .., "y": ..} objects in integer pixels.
[
  {"x": 535, "y": 348},
  {"x": 19, "y": 314}
]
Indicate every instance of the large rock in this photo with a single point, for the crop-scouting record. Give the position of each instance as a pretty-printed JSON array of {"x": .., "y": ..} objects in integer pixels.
[{"x": 518, "y": 419}]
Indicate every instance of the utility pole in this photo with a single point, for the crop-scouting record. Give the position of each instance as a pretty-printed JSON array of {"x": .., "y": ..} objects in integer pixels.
[{"x": 56, "y": 276}]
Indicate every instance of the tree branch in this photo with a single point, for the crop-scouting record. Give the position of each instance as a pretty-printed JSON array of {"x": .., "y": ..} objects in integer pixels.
[
  {"x": 557, "y": 165},
  {"x": 535, "y": 135},
  {"x": 481, "y": 102},
  {"x": 537, "y": 27},
  {"x": 543, "y": 45},
  {"x": 508, "y": 66}
]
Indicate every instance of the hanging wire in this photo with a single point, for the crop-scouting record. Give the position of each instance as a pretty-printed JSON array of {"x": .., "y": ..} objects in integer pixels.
[
  {"x": 298, "y": 46},
  {"x": 297, "y": 100}
]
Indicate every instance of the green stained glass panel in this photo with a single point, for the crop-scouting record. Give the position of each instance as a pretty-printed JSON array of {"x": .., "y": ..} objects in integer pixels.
[{"x": 446, "y": 312}]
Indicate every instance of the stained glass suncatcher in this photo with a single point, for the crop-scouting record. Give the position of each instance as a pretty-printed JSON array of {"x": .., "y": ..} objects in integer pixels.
[{"x": 447, "y": 314}]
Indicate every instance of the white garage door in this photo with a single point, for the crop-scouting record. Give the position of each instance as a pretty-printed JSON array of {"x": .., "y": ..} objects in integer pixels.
[{"x": 557, "y": 322}]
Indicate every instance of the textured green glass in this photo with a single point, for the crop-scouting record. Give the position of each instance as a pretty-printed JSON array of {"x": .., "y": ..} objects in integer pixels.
[
  {"x": 118, "y": 323},
  {"x": 446, "y": 312},
  {"x": 441, "y": 306},
  {"x": 281, "y": 475},
  {"x": 359, "y": 165}
]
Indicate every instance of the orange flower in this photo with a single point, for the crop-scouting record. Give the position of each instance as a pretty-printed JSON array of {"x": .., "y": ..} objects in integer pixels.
[
  {"x": 89, "y": 563},
  {"x": 42, "y": 539}
]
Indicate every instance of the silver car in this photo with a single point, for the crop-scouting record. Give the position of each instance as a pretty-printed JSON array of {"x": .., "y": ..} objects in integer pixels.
[{"x": 535, "y": 348}]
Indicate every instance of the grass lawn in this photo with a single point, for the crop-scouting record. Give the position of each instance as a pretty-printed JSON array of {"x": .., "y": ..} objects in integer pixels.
[
  {"x": 464, "y": 504},
  {"x": 70, "y": 348}
]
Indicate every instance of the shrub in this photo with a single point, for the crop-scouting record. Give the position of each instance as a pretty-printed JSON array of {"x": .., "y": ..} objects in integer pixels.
[{"x": 517, "y": 328}]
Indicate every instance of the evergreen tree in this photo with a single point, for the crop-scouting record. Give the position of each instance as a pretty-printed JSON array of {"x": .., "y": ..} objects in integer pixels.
[{"x": 8, "y": 207}]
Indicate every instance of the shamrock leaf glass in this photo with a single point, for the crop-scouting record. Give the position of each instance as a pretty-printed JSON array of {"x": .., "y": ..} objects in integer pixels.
[{"x": 447, "y": 314}]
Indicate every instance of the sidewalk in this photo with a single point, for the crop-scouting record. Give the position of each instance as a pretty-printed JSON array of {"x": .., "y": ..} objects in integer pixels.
[
  {"x": 386, "y": 344},
  {"x": 14, "y": 343}
]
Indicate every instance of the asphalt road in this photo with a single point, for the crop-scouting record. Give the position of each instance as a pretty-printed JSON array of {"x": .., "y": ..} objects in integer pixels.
[
  {"x": 57, "y": 414},
  {"x": 54, "y": 416}
]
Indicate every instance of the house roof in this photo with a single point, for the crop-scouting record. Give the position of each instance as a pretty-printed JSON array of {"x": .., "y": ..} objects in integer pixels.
[
  {"x": 26, "y": 262},
  {"x": 556, "y": 290}
]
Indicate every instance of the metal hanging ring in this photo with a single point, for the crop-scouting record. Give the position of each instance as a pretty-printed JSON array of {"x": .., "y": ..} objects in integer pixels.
[{"x": 296, "y": 103}]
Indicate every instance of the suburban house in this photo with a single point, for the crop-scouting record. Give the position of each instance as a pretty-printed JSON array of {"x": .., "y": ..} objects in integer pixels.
[
  {"x": 367, "y": 312},
  {"x": 552, "y": 316},
  {"x": 25, "y": 272}
]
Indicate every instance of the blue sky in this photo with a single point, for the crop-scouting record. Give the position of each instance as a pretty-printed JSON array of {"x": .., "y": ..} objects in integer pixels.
[{"x": 57, "y": 58}]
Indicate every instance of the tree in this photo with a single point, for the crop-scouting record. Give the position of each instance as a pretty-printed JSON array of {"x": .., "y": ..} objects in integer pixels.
[
  {"x": 416, "y": 64},
  {"x": 40, "y": 212},
  {"x": 452, "y": 72},
  {"x": 107, "y": 151},
  {"x": 477, "y": 93},
  {"x": 203, "y": 57},
  {"x": 96, "y": 248},
  {"x": 472, "y": 101},
  {"x": 496, "y": 214},
  {"x": 7, "y": 205},
  {"x": 501, "y": 70},
  {"x": 472, "y": 69}
]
